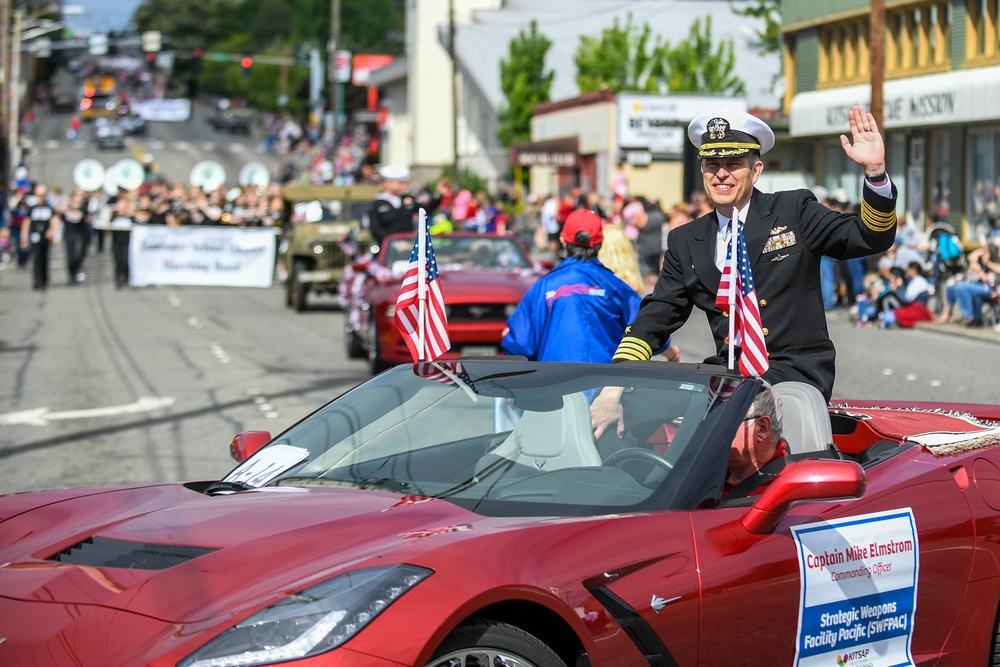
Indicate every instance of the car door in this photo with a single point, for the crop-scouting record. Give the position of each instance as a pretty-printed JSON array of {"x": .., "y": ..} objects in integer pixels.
[{"x": 752, "y": 587}]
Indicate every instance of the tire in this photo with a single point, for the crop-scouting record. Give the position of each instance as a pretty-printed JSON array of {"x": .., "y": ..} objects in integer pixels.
[
  {"x": 299, "y": 290},
  {"x": 483, "y": 642},
  {"x": 352, "y": 341},
  {"x": 375, "y": 362}
]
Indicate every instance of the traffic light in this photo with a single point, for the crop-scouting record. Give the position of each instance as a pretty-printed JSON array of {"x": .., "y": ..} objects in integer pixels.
[
  {"x": 197, "y": 55},
  {"x": 151, "y": 60},
  {"x": 246, "y": 63},
  {"x": 302, "y": 55}
]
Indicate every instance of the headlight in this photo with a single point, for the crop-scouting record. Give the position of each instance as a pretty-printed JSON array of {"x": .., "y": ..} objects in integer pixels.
[
  {"x": 509, "y": 309},
  {"x": 318, "y": 249},
  {"x": 390, "y": 311},
  {"x": 313, "y": 621}
]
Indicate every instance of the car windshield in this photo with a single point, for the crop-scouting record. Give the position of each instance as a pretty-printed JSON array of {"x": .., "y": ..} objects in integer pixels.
[
  {"x": 454, "y": 252},
  {"x": 514, "y": 438}
]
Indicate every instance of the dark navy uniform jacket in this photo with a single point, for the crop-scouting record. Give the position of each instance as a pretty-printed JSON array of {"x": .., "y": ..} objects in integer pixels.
[
  {"x": 386, "y": 218},
  {"x": 786, "y": 234}
]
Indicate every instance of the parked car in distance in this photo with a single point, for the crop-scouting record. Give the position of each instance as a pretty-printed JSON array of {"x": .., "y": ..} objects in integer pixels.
[
  {"x": 233, "y": 121},
  {"x": 133, "y": 124},
  {"x": 109, "y": 135}
]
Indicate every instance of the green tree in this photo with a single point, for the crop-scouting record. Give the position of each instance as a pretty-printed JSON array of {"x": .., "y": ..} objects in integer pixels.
[
  {"x": 267, "y": 27},
  {"x": 621, "y": 59},
  {"x": 770, "y": 11},
  {"x": 524, "y": 83},
  {"x": 694, "y": 66}
]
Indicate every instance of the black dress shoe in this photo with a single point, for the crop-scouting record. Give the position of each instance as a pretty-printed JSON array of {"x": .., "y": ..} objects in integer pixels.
[{"x": 974, "y": 323}]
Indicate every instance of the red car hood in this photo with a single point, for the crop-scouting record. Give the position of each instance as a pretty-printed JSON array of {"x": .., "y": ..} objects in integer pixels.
[
  {"x": 485, "y": 285},
  {"x": 471, "y": 286},
  {"x": 240, "y": 549}
]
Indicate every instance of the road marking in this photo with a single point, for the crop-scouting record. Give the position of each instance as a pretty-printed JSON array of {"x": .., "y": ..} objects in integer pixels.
[{"x": 42, "y": 416}]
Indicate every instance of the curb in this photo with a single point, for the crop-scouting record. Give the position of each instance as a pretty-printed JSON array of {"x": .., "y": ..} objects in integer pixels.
[{"x": 984, "y": 333}]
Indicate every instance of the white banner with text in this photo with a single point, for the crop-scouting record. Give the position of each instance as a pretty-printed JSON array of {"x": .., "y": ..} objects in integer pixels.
[{"x": 219, "y": 256}]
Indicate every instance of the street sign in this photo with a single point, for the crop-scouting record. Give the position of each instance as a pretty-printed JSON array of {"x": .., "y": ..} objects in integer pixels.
[
  {"x": 42, "y": 47},
  {"x": 98, "y": 44},
  {"x": 342, "y": 66},
  {"x": 152, "y": 41}
]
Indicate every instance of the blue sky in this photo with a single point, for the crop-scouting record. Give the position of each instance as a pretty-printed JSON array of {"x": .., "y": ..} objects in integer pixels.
[{"x": 101, "y": 15}]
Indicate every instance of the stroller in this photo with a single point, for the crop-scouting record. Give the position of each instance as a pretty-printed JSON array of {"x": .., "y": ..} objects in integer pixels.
[{"x": 947, "y": 259}]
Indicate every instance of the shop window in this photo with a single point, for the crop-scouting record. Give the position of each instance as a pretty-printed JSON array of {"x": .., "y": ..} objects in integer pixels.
[
  {"x": 940, "y": 180},
  {"x": 984, "y": 178}
]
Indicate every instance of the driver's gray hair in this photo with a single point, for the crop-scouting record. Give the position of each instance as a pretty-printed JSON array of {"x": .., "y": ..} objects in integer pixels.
[{"x": 767, "y": 402}]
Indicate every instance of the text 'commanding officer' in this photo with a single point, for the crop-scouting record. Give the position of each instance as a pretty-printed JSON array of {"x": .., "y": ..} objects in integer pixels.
[{"x": 786, "y": 233}]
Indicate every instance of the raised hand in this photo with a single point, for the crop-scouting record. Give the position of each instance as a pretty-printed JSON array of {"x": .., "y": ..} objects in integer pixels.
[{"x": 865, "y": 145}]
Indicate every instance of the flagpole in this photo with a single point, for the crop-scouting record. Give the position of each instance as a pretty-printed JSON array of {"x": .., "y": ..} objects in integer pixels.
[
  {"x": 458, "y": 382},
  {"x": 733, "y": 277},
  {"x": 422, "y": 280}
]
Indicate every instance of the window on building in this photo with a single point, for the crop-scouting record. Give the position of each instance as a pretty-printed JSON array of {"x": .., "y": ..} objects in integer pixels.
[
  {"x": 917, "y": 38},
  {"x": 844, "y": 52},
  {"x": 982, "y": 30}
]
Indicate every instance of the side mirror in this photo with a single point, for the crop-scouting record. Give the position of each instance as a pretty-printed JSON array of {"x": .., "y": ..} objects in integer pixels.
[
  {"x": 248, "y": 443},
  {"x": 811, "y": 479},
  {"x": 545, "y": 265}
]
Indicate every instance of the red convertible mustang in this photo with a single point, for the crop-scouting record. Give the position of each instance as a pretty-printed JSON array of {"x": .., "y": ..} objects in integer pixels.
[
  {"x": 483, "y": 277},
  {"x": 463, "y": 515}
]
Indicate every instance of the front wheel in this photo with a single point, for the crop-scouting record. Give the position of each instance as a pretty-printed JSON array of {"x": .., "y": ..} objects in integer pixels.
[
  {"x": 375, "y": 361},
  {"x": 484, "y": 643},
  {"x": 353, "y": 343},
  {"x": 299, "y": 290}
]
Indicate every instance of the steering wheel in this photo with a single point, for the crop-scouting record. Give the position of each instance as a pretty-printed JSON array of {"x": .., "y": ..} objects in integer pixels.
[{"x": 638, "y": 454}]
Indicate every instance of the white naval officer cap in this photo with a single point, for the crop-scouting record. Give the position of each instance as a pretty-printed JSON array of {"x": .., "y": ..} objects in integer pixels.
[
  {"x": 718, "y": 133},
  {"x": 392, "y": 172}
]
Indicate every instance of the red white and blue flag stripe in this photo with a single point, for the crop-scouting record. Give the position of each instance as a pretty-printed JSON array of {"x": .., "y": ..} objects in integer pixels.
[
  {"x": 420, "y": 312},
  {"x": 737, "y": 293}
]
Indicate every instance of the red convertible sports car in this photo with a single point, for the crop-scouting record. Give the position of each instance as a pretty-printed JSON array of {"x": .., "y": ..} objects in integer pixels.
[
  {"x": 461, "y": 514},
  {"x": 483, "y": 277}
]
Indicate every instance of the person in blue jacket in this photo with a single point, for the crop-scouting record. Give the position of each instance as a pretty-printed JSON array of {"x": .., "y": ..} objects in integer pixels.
[{"x": 579, "y": 310}]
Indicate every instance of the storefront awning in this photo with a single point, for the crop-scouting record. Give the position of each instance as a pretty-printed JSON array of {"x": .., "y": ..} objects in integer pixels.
[
  {"x": 552, "y": 153},
  {"x": 934, "y": 99}
]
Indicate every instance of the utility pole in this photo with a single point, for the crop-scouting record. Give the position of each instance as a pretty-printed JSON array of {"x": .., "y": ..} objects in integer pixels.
[
  {"x": 877, "y": 30},
  {"x": 331, "y": 67},
  {"x": 5, "y": 95},
  {"x": 454, "y": 94},
  {"x": 14, "y": 91}
]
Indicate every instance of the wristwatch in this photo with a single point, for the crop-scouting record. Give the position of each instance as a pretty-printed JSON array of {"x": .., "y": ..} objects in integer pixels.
[{"x": 877, "y": 179}]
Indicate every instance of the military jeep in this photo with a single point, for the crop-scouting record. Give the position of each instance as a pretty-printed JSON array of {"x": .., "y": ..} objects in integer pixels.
[{"x": 322, "y": 230}]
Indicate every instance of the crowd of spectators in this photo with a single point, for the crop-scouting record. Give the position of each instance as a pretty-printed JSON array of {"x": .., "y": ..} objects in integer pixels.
[{"x": 928, "y": 275}]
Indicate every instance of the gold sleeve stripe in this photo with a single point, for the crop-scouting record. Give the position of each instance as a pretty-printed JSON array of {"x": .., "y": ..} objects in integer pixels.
[
  {"x": 875, "y": 220},
  {"x": 633, "y": 349}
]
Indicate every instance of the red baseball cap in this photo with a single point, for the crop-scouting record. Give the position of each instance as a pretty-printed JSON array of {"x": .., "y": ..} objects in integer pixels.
[{"x": 582, "y": 220}]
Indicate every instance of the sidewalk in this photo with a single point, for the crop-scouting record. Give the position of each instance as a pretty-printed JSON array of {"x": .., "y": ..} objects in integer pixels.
[{"x": 985, "y": 332}]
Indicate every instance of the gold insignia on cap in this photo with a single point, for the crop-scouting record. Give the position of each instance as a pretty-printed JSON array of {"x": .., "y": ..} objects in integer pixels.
[{"x": 717, "y": 128}]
